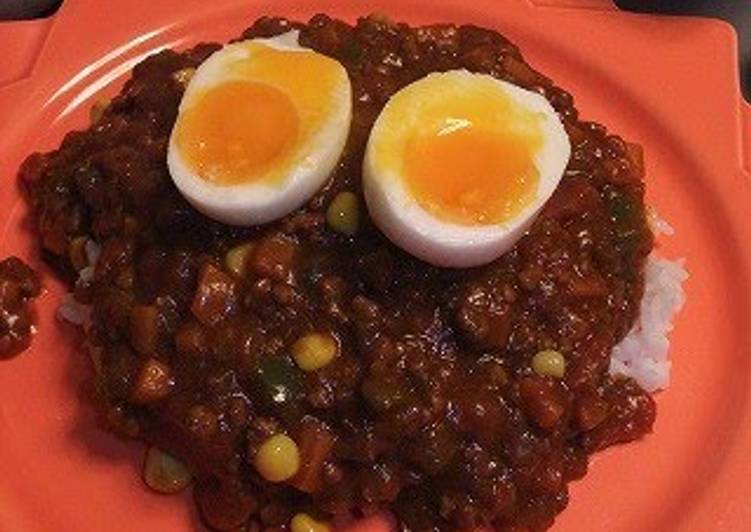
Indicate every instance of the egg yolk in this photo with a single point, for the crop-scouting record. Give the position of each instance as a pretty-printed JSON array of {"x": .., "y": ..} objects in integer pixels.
[
  {"x": 474, "y": 162},
  {"x": 263, "y": 116},
  {"x": 236, "y": 131}
]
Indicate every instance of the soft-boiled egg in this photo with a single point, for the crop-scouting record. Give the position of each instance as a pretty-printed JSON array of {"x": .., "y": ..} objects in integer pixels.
[
  {"x": 260, "y": 127},
  {"x": 458, "y": 165}
]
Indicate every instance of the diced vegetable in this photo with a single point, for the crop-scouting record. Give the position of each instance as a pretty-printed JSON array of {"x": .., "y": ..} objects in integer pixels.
[
  {"x": 97, "y": 110},
  {"x": 549, "y": 362},
  {"x": 314, "y": 350},
  {"x": 184, "y": 75},
  {"x": 315, "y": 445},
  {"x": 278, "y": 458},
  {"x": 155, "y": 381},
  {"x": 144, "y": 328},
  {"x": 620, "y": 208},
  {"x": 592, "y": 285},
  {"x": 274, "y": 257},
  {"x": 164, "y": 473},
  {"x": 542, "y": 401},
  {"x": 236, "y": 259},
  {"x": 192, "y": 339},
  {"x": 343, "y": 214},
  {"x": 216, "y": 296},
  {"x": 280, "y": 380},
  {"x": 305, "y": 523},
  {"x": 591, "y": 410}
]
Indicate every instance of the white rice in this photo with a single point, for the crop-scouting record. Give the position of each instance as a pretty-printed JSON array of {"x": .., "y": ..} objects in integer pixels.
[
  {"x": 643, "y": 353},
  {"x": 72, "y": 311}
]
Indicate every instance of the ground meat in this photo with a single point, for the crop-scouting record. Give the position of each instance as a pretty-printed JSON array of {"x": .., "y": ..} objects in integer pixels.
[
  {"x": 429, "y": 407},
  {"x": 19, "y": 285}
]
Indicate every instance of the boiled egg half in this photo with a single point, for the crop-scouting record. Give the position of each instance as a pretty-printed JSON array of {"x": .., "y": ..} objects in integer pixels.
[
  {"x": 260, "y": 127},
  {"x": 458, "y": 165}
]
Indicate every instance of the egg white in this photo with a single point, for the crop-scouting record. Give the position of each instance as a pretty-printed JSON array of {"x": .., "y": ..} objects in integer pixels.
[
  {"x": 444, "y": 243},
  {"x": 258, "y": 202}
]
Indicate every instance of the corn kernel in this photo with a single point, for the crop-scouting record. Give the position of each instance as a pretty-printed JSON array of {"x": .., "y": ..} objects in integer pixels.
[
  {"x": 278, "y": 458},
  {"x": 163, "y": 473},
  {"x": 343, "y": 214},
  {"x": 314, "y": 351},
  {"x": 184, "y": 76},
  {"x": 549, "y": 362},
  {"x": 305, "y": 523},
  {"x": 236, "y": 259},
  {"x": 97, "y": 110}
]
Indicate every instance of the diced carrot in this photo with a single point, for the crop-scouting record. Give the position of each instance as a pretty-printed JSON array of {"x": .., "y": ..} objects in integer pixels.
[
  {"x": 144, "y": 328},
  {"x": 155, "y": 381},
  {"x": 274, "y": 257},
  {"x": 216, "y": 296},
  {"x": 315, "y": 443}
]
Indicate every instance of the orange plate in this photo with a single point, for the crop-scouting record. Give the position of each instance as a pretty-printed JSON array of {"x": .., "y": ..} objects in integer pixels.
[{"x": 670, "y": 84}]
